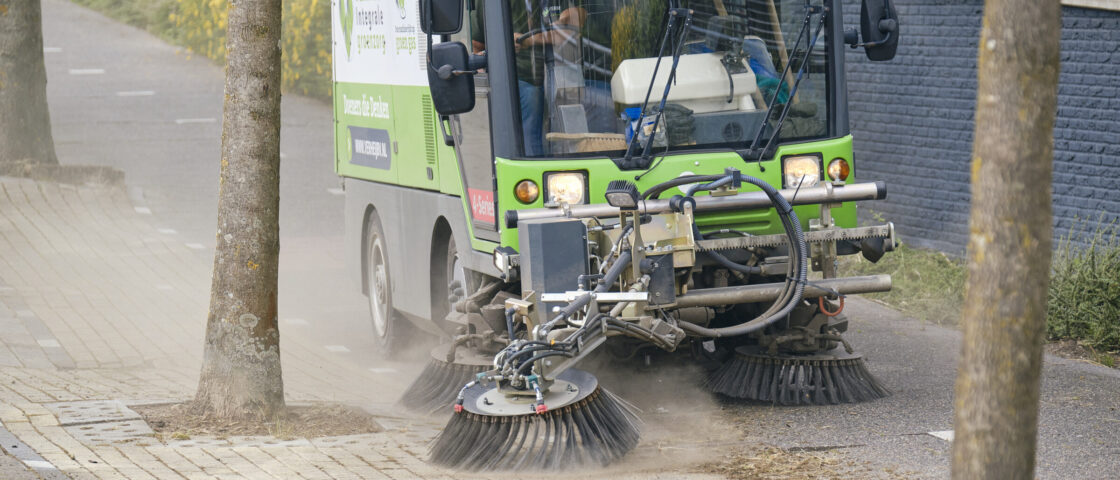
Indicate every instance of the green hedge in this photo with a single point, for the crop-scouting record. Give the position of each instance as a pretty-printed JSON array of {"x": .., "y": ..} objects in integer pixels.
[
  {"x": 200, "y": 26},
  {"x": 1084, "y": 296},
  {"x": 1085, "y": 292}
]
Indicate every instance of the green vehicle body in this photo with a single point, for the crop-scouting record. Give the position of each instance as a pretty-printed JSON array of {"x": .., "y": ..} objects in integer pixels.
[{"x": 413, "y": 192}]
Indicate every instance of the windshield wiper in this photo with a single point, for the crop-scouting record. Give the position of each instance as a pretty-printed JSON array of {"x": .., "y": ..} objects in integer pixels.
[
  {"x": 672, "y": 29},
  {"x": 754, "y": 152}
]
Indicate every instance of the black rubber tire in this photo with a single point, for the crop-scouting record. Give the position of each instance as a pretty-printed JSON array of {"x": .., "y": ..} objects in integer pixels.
[
  {"x": 392, "y": 332},
  {"x": 442, "y": 279}
]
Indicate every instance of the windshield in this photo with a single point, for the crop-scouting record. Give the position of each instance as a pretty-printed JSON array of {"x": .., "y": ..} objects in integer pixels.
[{"x": 585, "y": 67}]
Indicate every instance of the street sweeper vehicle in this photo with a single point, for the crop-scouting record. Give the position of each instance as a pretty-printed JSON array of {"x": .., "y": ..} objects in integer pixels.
[{"x": 535, "y": 181}]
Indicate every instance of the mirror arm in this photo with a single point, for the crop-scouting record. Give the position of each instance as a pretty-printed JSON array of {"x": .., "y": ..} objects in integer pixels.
[
  {"x": 876, "y": 44},
  {"x": 890, "y": 31},
  {"x": 474, "y": 64}
]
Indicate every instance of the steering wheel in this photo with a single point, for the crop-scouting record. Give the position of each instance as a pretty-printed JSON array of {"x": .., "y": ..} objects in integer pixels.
[{"x": 554, "y": 26}]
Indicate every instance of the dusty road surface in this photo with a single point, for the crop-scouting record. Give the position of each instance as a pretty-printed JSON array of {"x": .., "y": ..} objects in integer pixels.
[{"x": 103, "y": 297}]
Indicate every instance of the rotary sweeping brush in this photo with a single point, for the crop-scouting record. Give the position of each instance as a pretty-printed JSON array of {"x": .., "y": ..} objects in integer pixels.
[
  {"x": 580, "y": 423},
  {"x": 820, "y": 379},
  {"x": 437, "y": 386}
]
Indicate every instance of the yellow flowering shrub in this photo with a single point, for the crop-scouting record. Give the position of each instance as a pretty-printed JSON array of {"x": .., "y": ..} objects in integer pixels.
[
  {"x": 307, "y": 46},
  {"x": 200, "y": 26}
]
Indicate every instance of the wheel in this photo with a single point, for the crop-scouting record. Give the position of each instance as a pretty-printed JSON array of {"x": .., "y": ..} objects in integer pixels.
[
  {"x": 449, "y": 280},
  {"x": 391, "y": 332}
]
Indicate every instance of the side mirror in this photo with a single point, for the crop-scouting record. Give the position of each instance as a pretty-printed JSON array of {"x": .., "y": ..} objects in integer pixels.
[
  {"x": 451, "y": 79},
  {"x": 441, "y": 17},
  {"x": 878, "y": 24}
]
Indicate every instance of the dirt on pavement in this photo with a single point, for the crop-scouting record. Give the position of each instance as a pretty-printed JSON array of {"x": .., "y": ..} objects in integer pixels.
[
  {"x": 772, "y": 463},
  {"x": 177, "y": 421}
]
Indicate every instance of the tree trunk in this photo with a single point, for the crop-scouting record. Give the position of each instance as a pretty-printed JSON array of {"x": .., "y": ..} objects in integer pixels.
[
  {"x": 241, "y": 362},
  {"x": 1004, "y": 317},
  {"x": 25, "y": 122}
]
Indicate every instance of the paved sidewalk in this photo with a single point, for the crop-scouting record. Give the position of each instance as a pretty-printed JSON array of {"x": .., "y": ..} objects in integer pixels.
[{"x": 102, "y": 311}]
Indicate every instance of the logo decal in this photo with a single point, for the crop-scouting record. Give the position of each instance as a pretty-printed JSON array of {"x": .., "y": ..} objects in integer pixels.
[
  {"x": 482, "y": 204},
  {"x": 369, "y": 147},
  {"x": 346, "y": 18}
]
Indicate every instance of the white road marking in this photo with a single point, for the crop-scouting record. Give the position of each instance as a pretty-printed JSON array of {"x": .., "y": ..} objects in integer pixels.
[
  {"x": 143, "y": 210},
  {"x": 40, "y": 464},
  {"x": 383, "y": 370},
  {"x": 49, "y": 343},
  {"x": 336, "y": 348},
  {"x": 136, "y": 93},
  {"x": 164, "y": 287},
  {"x": 946, "y": 435},
  {"x": 52, "y": 49},
  {"x": 196, "y": 246},
  {"x": 167, "y": 231},
  {"x": 184, "y": 121},
  {"x": 295, "y": 321},
  {"x": 87, "y": 71},
  {"x": 336, "y": 191}
]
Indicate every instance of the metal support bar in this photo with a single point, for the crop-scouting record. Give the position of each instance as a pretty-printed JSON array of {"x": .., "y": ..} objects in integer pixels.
[
  {"x": 709, "y": 203},
  {"x": 815, "y": 236},
  {"x": 601, "y": 297},
  {"x": 769, "y": 291}
]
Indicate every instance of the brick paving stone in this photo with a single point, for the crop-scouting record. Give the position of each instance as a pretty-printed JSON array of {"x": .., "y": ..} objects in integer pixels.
[
  {"x": 209, "y": 464},
  {"x": 266, "y": 462},
  {"x": 321, "y": 460},
  {"x": 304, "y": 468},
  {"x": 355, "y": 464},
  {"x": 126, "y": 468},
  {"x": 140, "y": 456},
  {"x": 239, "y": 464},
  {"x": 175, "y": 461}
]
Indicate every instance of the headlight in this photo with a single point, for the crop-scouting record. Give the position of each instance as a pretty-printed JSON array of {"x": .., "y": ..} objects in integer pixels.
[
  {"x": 566, "y": 187},
  {"x": 622, "y": 194},
  {"x": 804, "y": 170}
]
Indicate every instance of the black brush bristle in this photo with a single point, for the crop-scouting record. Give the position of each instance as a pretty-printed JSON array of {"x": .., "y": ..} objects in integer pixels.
[
  {"x": 790, "y": 380},
  {"x": 596, "y": 430},
  {"x": 438, "y": 385}
]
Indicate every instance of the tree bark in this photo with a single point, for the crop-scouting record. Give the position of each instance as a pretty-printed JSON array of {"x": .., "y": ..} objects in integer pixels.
[
  {"x": 241, "y": 362},
  {"x": 25, "y": 122},
  {"x": 1004, "y": 317}
]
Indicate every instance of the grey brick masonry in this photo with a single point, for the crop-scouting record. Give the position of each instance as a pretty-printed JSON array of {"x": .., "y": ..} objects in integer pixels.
[{"x": 912, "y": 119}]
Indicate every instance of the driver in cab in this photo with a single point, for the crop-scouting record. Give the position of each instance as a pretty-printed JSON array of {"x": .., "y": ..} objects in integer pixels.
[{"x": 535, "y": 24}]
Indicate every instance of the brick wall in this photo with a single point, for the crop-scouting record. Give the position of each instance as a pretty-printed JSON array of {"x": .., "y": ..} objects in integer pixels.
[{"x": 912, "y": 120}]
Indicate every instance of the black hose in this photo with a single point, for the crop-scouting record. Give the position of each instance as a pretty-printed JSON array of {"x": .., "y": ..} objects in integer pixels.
[
  {"x": 726, "y": 262},
  {"x": 704, "y": 187},
  {"x": 540, "y": 356},
  {"x": 509, "y": 321},
  {"x": 658, "y": 189},
  {"x": 795, "y": 276},
  {"x": 637, "y": 331},
  {"x": 511, "y": 360}
]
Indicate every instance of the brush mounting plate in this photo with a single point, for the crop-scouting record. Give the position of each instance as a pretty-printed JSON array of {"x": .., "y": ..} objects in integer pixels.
[{"x": 570, "y": 387}]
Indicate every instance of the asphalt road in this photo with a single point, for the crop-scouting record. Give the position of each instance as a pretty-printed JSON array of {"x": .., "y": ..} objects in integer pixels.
[{"x": 123, "y": 98}]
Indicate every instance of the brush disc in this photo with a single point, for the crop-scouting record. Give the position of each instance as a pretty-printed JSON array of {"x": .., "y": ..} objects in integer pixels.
[
  {"x": 437, "y": 386},
  {"x": 584, "y": 424},
  {"x": 818, "y": 379}
]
